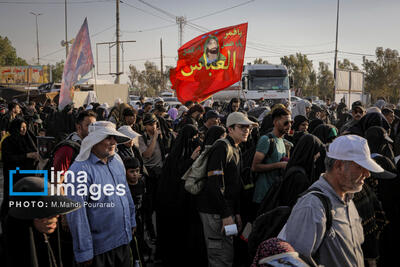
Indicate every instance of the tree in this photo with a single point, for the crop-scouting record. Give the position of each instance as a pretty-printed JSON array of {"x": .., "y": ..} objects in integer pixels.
[
  {"x": 347, "y": 65},
  {"x": 326, "y": 82},
  {"x": 146, "y": 82},
  {"x": 8, "y": 54},
  {"x": 57, "y": 71},
  {"x": 302, "y": 72},
  {"x": 382, "y": 77},
  {"x": 260, "y": 61}
]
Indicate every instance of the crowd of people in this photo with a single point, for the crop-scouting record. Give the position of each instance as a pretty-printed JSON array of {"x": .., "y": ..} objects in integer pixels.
[{"x": 258, "y": 158}]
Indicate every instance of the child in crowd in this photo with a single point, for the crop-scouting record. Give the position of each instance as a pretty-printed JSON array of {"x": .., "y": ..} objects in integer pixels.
[{"x": 137, "y": 188}]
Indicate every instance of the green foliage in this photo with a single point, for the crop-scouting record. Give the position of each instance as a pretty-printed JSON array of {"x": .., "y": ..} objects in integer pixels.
[
  {"x": 8, "y": 54},
  {"x": 326, "y": 82},
  {"x": 302, "y": 72},
  {"x": 382, "y": 77},
  {"x": 347, "y": 65},
  {"x": 260, "y": 61},
  {"x": 147, "y": 82},
  {"x": 57, "y": 71}
]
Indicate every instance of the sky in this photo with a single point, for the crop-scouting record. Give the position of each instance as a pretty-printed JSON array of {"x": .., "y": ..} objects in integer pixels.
[{"x": 275, "y": 28}]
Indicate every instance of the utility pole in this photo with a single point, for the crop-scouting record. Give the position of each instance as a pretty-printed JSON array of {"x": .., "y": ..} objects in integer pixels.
[
  {"x": 117, "y": 43},
  {"x": 336, "y": 50},
  {"x": 66, "y": 31},
  {"x": 37, "y": 36},
  {"x": 162, "y": 68},
  {"x": 181, "y": 21}
]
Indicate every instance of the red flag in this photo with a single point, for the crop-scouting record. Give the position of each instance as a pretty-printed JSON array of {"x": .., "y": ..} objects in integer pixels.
[{"x": 209, "y": 63}]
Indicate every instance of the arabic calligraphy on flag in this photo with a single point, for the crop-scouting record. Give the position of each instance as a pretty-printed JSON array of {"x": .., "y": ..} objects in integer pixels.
[
  {"x": 79, "y": 63},
  {"x": 209, "y": 63}
]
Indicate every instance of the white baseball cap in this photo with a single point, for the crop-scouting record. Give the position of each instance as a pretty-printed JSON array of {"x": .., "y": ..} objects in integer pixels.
[
  {"x": 238, "y": 118},
  {"x": 353, "y": 148}
]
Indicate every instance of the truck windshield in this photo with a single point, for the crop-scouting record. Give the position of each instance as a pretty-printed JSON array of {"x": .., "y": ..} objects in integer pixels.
[{"x": 269, "y": 83}]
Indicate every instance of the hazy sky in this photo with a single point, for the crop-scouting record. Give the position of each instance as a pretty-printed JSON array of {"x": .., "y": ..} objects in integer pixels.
[{"x": 276, "y": 28}]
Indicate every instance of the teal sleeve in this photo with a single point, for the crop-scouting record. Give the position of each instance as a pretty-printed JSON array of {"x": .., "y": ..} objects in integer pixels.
[{"x": 263, "y": 145}]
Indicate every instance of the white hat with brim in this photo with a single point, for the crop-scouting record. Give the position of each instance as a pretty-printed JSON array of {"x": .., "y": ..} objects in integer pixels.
[
  {"x": 127, "y": 130},
  {"x": 353, "y": 148},
  {"x": 238, "y": 118},
  {"x": 98, "y": 131}
]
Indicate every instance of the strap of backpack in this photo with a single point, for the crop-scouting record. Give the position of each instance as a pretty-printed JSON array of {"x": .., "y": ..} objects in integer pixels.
[
  {"x": 326, "y": 202},
  {"x": 272, "y": 144}
]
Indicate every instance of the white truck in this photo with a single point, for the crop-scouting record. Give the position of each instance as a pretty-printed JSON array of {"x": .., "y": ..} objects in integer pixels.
[{"x": 259, "y": 81}]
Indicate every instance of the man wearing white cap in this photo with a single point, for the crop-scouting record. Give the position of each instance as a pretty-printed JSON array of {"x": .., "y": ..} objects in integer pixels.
[
  {"x": 348, "y": 163},
  {"x": 102, "y": 229},
  {"x": 218, "y": 202}
]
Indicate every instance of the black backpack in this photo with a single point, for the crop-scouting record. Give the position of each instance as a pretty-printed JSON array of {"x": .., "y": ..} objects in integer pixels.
[
  {"x": 270, "y": 223},
  {"x": 247, "y": 175}
]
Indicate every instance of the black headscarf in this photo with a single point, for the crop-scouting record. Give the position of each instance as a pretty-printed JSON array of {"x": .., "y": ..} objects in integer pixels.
[
  {"x": 326, "y": 133},
  {"x": 369, "y": 120},
  {"x": 313, "y": 124},
  {"x": 184, "y": 146},
  {"x": 25, "y": 142},
  {"x": 304, "y": 152},
  {"x": 299, "y": 119},
  {"x": 213, "y": 134}
]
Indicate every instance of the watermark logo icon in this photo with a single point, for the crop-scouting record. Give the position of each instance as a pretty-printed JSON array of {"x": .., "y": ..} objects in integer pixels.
[{"x": 43, "y": 173}]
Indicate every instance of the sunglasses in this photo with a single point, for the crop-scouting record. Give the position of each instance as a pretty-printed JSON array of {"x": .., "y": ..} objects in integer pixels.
[
  {"x": 286, "y": 123},
  {"x": 244, "y": 127}
]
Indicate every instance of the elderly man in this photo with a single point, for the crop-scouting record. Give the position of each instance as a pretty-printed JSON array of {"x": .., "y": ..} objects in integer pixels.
[
  {"x": 348, "y": 163},
  {"x": 102, "y": 230}
]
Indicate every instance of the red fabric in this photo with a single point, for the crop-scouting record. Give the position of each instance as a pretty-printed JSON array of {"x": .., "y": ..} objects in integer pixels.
[
  {"x": 63, "y": 158},
  {"x": 195, "y": 80}
]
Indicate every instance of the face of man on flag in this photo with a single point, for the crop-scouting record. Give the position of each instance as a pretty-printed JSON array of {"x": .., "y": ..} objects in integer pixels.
[{"x": 209, "y": 63}]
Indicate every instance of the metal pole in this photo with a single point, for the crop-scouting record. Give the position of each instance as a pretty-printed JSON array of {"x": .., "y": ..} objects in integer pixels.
[
  {"x": 66, "y": 31},
  {"x": 336, "y": 45},
  {"x": 37, "y": 36},
  {"x": 117, "y": 43},
  {"x": 162, "y": 66}
]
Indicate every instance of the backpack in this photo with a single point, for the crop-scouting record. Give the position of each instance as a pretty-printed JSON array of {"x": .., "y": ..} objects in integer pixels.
[
  {"x": 271, "y": 199},
  {"x": 247, "y": 175},
  {"x": 76, "y": 146},
  {"x": 196, "y": 175},
  {"x": 270, "y": 223}
]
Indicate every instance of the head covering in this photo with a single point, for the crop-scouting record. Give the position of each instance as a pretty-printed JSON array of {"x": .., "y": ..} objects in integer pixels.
[
  {"x": 378, "y": 140},
  {"x": 369, "y": 120},
  {"x": 238, "y": 118},
  {"x": 118, "y": 101},
  {"x": 326, "y": 133},
  {"x": 182, "y": 109},
  {"x": 98, "y": 131},
  {"x": 208, "y": 103},
  {"x": 183, "y": 146},
  {"x": 313, "y": 124},
  {"x": 299, "y": 119},
  {"x": 149, "y": 118},
  {"x": 380, "y": 103},
  {"x": 173, "y": 113},
  {"x": 211, "y": 114},
  {"x": 304, "y": 152},
  {"x": 36, "y": 184},
  {"x": 273, "y": 249},
  {"x": 357, "y": 104},
  {"x": 127, "y": 130},
  {"x": 373, "y": 109},
  {"x": 213, "y": 134},
  {"x": 353, "y": 148}
]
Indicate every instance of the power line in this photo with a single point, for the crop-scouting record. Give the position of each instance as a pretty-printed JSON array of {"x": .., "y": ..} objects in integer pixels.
[
  {"x": 358, "y": 54},
  {"x": 158, "y": 9},
  {"x": 145, "y": 11},
  {"x": 54, "y": 3},
  {"x": 222, "y": 10},
  {"x": 151, "y": 29}
]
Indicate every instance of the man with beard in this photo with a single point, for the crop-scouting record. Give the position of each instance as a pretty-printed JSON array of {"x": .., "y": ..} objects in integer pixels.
[
  {"x": 357, "y": 112},
  {"x": 211, "y": 53},
  {"x": 267, "y": 164},
  {"x": 219, "y": 201},
  {"x": 101, "y": 235},
  {"x": 348, "y": 163}
]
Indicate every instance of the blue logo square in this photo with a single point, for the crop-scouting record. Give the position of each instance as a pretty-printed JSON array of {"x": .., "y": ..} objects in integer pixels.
[{"x": 33, "y": 172}]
